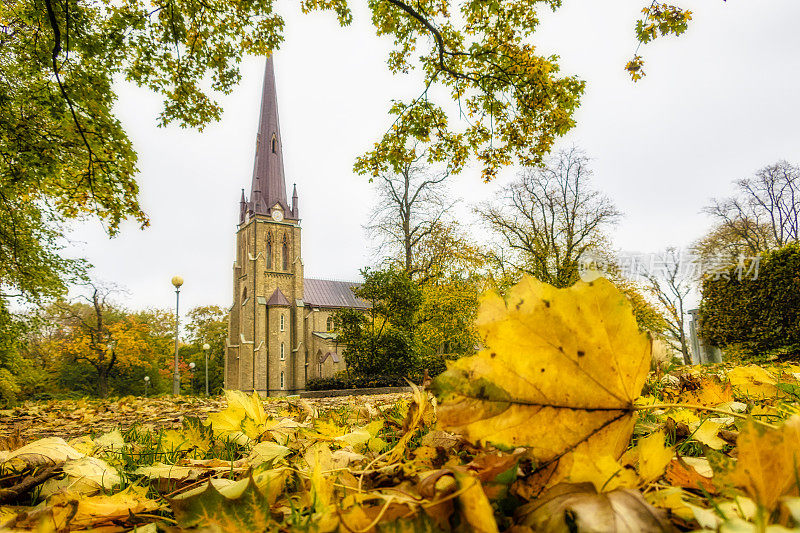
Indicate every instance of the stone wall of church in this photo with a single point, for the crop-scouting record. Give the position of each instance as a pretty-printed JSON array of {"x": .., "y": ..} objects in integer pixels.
[{"x": 255, "y": 337}]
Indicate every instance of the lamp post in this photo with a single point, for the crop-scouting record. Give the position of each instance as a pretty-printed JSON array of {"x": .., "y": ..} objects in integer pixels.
[
  {"x": 191, "y": 369},
  {"x": 177, "y": 281},
  {"x": 206, "y": 348},
  {"x": 146, "y": 383}
]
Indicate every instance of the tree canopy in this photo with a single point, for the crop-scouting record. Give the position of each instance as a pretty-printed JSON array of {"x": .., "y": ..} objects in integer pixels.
[{"x": 65, "y": 155}]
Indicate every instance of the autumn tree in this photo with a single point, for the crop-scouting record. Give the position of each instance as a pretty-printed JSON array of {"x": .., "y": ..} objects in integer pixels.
[
  {"x": 93, "y": 331},
  {"x": 548, "y": 219},
  {"x": 763, "y": 214},
  {"x": 65, "y": 155},
  {"x": 208, "y": 325}
]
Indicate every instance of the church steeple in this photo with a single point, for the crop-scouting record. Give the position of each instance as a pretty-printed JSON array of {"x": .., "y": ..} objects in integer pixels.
[{"x": 269, "y": 183}]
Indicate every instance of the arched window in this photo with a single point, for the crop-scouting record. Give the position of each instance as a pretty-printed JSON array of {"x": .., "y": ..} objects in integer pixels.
[
  {"x": 330, "y": 323},
  {"x": 282, "y": 325},
  {"x": 244, "y": 295},
  {"x": 281, "y": 380},
  {"x": 274, "y": 144},
  {"x": 285, "y": 253},
  {"x": 268, "y": 252},
  {"x": 283, "y": 353}
]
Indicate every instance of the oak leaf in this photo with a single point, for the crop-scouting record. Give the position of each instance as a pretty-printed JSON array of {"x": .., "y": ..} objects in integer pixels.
[{"x": 560, "y": 373}]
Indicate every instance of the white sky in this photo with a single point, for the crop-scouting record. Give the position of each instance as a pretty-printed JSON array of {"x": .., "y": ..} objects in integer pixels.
[{"x": 717, "y": 104}]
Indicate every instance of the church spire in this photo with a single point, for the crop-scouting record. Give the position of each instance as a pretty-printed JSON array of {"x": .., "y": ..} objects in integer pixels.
[{"x": 269, "y": 184}]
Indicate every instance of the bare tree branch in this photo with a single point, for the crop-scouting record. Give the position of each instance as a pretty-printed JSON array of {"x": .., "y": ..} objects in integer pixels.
[{"x": 549, "y": 218}]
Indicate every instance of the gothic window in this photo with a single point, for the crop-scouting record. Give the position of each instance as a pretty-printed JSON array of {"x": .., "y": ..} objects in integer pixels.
[
  {"x": 274, "y": 144},
  {"x": 244, "y": 295},
  {"x": 330, "y": 323},
  {"x": 282, "y": 325},
  {"x": 320, "y": 370},
  {"x": 268, "y": 252},
  {"x": 285, "y": 253},
  {"x": 281, "y": 380},
  {"x": 283, "y": 353}
]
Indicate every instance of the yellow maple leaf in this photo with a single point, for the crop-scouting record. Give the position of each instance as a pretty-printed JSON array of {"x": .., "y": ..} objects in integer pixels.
[
  {"x": 654, "y": 456},
  {"x": 560, "y": 373},
  {"x": 706, "y": 434},
  {"x": 604, "y": 472},
  {"x": 754, "y": 381},
  {"x": 768, "y": 464}
]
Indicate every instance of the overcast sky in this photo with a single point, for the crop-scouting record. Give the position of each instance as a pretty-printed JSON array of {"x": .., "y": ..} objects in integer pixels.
[{"x": 717, "y": 104}]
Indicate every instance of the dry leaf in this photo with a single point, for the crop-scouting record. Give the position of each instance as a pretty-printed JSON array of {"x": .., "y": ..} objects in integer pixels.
[
  {"x": 754, "y": 381},
  {"x": 578, "y": 507},
  {"x": 681, "y": 474},
  {"x": 654, "y": 456},
  {"x": 604, "y": 472},
  {"x": 768, "y": 464},
  {"x": 707, "y": 434},
  {"x": 560, "y": 374}
]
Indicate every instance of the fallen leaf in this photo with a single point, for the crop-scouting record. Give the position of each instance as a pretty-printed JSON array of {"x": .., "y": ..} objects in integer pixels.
[
  {"x": 681, "y": 474},
  {"x": 710, "y": 394},
  {"x": 241, "y": 506},
  {"x": 86, "y": 475},
  {"x": 474, "y": 505},
  {"x": 604, "y": 472},
  {"x": 560, "y": 373},
  {"x": 752, "y": 380},
  {"x": 578, "y": 507},
  {"x": 768, "y": 463},
  {"x": 96, "y": 510},
  {"x": 265, "y": 452},
  {"x": 654, "y": 456},
  {"x": 50, "y": 450},
  {"x": 706, "y": 434}
]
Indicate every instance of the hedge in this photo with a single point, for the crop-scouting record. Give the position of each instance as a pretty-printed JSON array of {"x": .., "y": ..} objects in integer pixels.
[
  {"x": 755, "y": 313},
  {"x": 343, "y": 381}
]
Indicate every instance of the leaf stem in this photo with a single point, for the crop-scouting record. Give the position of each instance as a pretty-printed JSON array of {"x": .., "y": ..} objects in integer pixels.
[{"x": 702, "y": 408}]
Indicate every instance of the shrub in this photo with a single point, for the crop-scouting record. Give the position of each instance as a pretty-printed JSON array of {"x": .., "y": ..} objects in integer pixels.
[
  {"x": 757, "y": 315},
  {"x": 342, "y": 380}
]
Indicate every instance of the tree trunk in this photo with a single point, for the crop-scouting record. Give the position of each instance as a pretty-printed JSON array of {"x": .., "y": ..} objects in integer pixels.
[{"x": 102, "y": 384}]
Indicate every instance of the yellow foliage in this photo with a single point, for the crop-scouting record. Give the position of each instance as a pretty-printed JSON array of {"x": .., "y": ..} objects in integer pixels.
[
  {"x": 560, "y": 373},
  {"x": 768, "y": 464},
  {"x": 654, "y": 456},
  {"x": 753, "y": 381},
  {"x": 604, "y": 472}
]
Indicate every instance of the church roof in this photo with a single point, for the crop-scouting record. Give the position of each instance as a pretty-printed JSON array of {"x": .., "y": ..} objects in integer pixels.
[
  {"x": 329, "y": 293},
  {"x": 278, "y": 299},
  {"x": 269, "y": 182}
]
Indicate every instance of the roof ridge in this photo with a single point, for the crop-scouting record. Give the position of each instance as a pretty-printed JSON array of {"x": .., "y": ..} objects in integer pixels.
[{"x": 336, "y": 280}]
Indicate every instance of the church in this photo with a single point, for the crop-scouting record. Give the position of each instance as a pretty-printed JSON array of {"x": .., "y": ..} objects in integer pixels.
[{"x": 280, "y": 330}]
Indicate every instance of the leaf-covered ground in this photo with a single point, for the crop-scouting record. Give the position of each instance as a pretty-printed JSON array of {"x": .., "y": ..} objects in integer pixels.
[
  {"x": 70, "y": 419},
  {"x": 559, "y": 425}
]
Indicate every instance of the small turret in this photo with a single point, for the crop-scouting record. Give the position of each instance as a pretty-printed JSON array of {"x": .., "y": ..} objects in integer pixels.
[
  {"x": 295, "y": 205},
  {"x": 242, "y": 208}
]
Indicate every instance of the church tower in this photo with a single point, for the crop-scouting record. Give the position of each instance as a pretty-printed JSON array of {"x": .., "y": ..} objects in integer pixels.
[{"x": 265, "y": 331}]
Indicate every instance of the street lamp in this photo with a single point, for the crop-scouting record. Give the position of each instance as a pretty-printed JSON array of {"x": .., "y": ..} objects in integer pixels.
[
  {"x": 191, "y": 369},
  {"x": 206, "y": 348},
  {"x": 146, "y": 383},
  {"x": 177, "y": 281}
]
